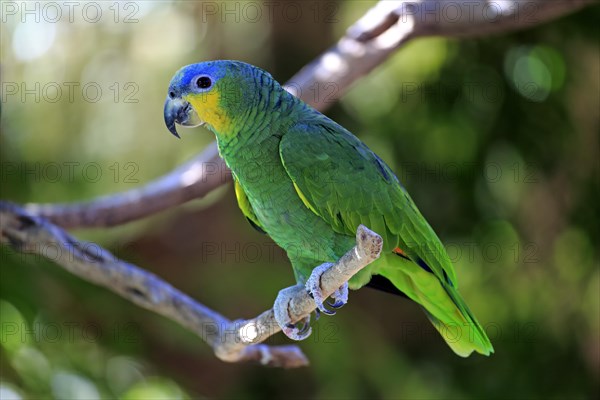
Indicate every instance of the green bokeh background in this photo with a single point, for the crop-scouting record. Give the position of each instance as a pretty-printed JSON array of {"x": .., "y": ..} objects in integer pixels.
[{"x": 495, "y": 138}]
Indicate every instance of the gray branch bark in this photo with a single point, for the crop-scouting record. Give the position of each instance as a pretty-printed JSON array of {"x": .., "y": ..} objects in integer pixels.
[
  {"x": 369, "y": 42},
  {"x": 232, "y": 341},
  {"x": 192, "y": 180}
]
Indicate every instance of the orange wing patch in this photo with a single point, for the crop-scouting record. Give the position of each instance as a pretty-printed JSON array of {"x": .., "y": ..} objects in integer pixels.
[{"x": 400, "y": 252}]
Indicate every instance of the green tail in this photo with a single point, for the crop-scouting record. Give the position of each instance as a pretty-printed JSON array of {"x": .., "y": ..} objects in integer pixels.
[
  {"x": 442, "y": 303},
  {"x": 463, "y": 334}
]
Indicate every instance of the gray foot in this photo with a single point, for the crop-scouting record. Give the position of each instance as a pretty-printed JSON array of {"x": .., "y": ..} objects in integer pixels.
[
  {"x": 298, "y": 331},
  {"x": 313, "y": 287}
]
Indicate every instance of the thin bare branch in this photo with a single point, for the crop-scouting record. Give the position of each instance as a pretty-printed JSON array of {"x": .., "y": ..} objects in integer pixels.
[
  {"x": 193, "y": 180},
  {"x": 232, "y": 341}
]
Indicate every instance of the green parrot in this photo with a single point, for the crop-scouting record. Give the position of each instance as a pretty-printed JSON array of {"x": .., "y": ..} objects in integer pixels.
[{"x": 309, "y": 183}]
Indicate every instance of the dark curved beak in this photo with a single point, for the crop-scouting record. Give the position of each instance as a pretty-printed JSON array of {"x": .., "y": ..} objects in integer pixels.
[
  {"x": 181, "y": 112},
  {"x": 174, "y": 113}
]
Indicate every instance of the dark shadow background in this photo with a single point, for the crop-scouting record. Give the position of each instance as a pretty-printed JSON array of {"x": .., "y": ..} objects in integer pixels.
[{"x": 495, "y": 138}]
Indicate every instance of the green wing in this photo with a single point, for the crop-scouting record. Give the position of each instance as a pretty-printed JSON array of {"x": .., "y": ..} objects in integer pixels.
[
  {"x": 246, "y": 207},
  {"x": 340, "y": 179}
]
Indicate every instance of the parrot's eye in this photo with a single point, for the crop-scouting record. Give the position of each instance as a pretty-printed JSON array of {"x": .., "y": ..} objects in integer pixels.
[{"x": 204, "y": 82}]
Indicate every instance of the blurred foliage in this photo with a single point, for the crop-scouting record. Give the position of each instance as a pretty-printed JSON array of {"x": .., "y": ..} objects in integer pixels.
[{"x": 495, "y": 138}]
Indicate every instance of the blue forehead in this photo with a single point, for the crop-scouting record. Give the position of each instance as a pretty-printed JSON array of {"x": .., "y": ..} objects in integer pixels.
[{"x": 214, "y": 69}]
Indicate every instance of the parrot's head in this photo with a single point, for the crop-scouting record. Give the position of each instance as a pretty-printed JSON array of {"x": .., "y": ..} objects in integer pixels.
[{"x": 214, "y": 93}]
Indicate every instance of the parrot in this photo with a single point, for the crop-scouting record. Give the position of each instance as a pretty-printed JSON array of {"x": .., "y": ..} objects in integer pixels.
[{"x": 308, "y": 183}]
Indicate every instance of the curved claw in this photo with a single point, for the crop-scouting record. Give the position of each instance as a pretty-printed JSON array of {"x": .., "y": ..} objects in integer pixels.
[
  {"x": 293, "y": 332},
  {"x": 337, "y": 304},
  {"x": 317, "y": 297},
  {"x": 305, "y": 330},
  {"x": 321, "y": 307},
  {"x": 340, "y": 296}
]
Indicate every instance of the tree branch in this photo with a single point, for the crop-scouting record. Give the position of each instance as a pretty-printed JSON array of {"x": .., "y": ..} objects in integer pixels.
[
  {"x": 369, "y": 42},
  {"x": 193, "y": 180},
  {"x": 232, "y": 341},
  {"x": 389, "y": 25}
]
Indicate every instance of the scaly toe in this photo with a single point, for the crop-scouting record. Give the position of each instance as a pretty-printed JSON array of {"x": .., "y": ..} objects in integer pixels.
[
  {"x": 313, "y": 287},
  {"x": 298, "y": 331}
]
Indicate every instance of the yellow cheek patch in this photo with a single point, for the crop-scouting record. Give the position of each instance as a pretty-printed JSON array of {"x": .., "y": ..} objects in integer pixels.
[{"x": 207, "y": 106}]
